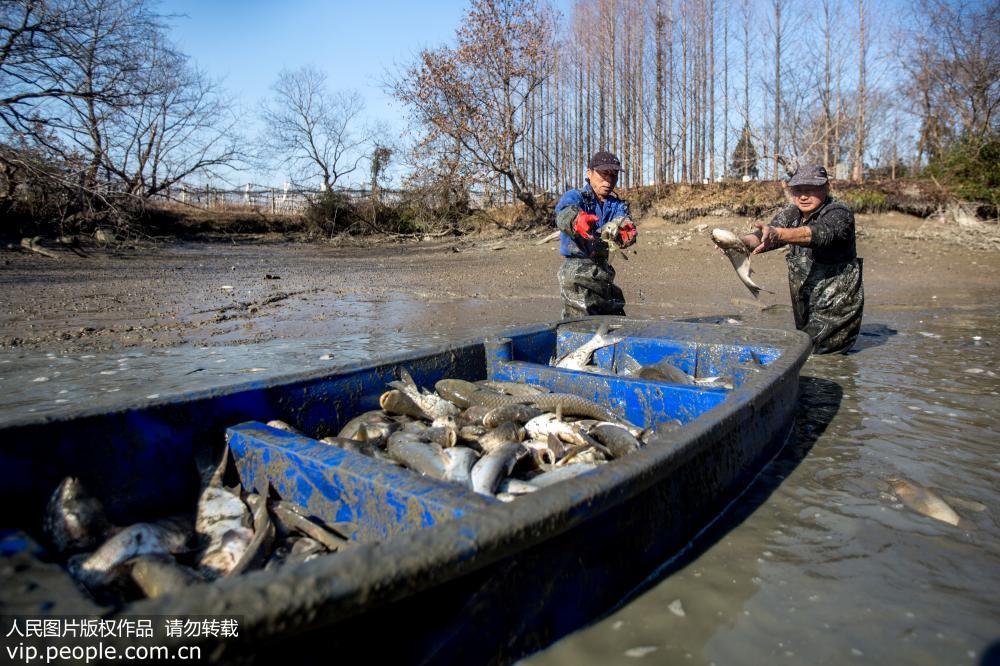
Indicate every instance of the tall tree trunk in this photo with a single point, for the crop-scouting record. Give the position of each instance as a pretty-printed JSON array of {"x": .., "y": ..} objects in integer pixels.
[
  {"x": 777, "y": 85},
  {"x": 685, "y": 172},
  {"x": 725, "y": 89},
  {"x": 658, "y": 142},
  {"x": 711, "y": 84},
  {"x": 746, "y": 75},
  {"x": 827, "y": 120},
  {"x": 859, "y": 139}
]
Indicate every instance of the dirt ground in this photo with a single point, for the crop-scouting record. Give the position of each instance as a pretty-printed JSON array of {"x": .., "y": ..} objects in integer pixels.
[{"x": 252, "y": 289}]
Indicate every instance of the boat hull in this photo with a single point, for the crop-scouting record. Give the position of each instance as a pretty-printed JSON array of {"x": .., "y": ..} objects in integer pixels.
[{"x": 490, "y": 585}]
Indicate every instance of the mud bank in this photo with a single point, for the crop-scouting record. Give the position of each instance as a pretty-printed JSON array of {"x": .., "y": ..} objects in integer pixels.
[{"x": 261, "y": 288}]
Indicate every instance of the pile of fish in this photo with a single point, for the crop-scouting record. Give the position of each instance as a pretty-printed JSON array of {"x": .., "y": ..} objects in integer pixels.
[
  {"x": 496, "y": 438},
  {"x": 232, "y": 532}
]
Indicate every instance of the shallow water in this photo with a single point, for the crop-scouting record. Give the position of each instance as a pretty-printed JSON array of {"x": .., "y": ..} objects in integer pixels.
[{"x": 816, "y": 563}]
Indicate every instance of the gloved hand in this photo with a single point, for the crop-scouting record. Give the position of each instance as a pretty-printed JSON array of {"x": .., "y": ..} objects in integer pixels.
[
  {"x": 584, "y": 223},
  {"x": 627, "y": 233}
]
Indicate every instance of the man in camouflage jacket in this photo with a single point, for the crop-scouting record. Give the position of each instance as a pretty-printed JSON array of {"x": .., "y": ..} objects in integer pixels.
[{"x": 824, "y": 270}]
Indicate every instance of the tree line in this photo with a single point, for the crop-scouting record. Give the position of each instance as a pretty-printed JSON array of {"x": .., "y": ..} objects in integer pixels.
[{"x": 100, "y": 112}]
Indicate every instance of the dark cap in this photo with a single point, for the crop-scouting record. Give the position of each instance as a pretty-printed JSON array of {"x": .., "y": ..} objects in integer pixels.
[
  {"x": 604, "y": 161},
  {"x": 809, "y": 174}
]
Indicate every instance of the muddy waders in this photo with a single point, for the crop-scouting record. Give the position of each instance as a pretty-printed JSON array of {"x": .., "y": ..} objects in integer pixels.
[
  {"x": 587, "y": 288},
  {"x": 827, "y": 301}
]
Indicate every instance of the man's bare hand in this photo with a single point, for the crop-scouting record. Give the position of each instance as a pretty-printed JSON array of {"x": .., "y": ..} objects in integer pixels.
[{"x": 769, "y": 238}]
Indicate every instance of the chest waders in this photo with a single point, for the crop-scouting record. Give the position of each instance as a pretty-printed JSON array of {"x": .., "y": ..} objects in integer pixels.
[
  {"x": 827, "y": 301},
  {"x": 587, "y": 286}
]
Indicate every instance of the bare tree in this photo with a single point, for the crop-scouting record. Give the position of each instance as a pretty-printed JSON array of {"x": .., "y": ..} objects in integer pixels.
[
  {"x": 478, "y": 92},
  {"x": 186, "y": 127},
  {"x": 953, "y": 62},
  {"x": 315, "y": 132},
  {"x": 93, "y": 89},
  {"x": 778, "y": 6}
]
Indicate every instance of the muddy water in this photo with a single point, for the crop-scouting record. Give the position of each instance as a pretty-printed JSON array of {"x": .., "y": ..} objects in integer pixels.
[{"x": 817, "y": 563}]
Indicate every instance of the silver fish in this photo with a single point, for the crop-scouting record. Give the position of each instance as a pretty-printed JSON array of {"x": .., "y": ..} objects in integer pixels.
[
  {"x": 618, "y": 440},
  {"x": 461, "y": 460},
  {"x": 263, "y": 536},
  {"x": 584, "y": 453},
  {"x": 222, "y": 523},
  {"x": 541, "y": 427},
  {"x": 157, "y": 575},
  {"x": 504, "y": 433},
  {"x": 364, "y": 448},
  {"x": 739, "y": 255},
  {"x": 560, "y": 474},
  {"x": 432, "y": 405},
  {"x": 161, "y": 538},
  {"x": 494, "y": 466},
  {"x": 516, "y": 487},
  {"x": 374, "y": 426},
  {"x": 923, "y": 500},
  {"x": 579, "y": 358},
  {"x": 423, "y": 457},
  {"x": 281, "y": 425},
  {"x": 74, "y": 519},
  {"x": 665, "y": 371},
  {"x": 545, "y": 452},
  {"x": 397, "y": 402}
]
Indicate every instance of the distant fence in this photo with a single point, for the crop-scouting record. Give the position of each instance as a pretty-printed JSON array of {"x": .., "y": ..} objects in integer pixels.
[{"x": 292, "y": 200}]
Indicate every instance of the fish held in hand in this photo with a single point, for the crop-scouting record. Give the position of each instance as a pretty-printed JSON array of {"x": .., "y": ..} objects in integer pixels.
[{"x": 739, "y": 255}]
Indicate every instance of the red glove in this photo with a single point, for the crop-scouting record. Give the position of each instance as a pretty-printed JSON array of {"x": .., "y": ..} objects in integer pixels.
[
  {"x": 627, "y": 232},
  {"x": 584, "y": 223}
]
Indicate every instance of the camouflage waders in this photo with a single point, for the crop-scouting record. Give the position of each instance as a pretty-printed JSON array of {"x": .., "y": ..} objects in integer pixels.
[
  {"x": 587, "y": 288},
  {"x": 827, "y": 301}
]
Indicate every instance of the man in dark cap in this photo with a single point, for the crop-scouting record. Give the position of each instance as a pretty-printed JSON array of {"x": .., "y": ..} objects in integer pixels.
[
  {"x": 824, "y": 270},
  {"x": 589, "y": 218}
]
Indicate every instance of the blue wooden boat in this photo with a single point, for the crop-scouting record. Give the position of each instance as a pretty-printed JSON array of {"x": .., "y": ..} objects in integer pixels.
[{"x": 445, "y": 575}]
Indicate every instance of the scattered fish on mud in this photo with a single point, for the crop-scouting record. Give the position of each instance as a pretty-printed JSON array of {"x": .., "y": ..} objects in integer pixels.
[
  {"x": 923, "y": 500},
  {"x": 739, "y": 254}
]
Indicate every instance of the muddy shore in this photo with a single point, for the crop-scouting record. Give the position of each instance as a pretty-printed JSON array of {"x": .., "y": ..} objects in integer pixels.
[{"x": 260, "y": 288}]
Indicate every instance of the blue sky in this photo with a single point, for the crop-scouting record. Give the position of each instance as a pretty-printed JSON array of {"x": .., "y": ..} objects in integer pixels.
[{"x": 247, "y": 43}]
